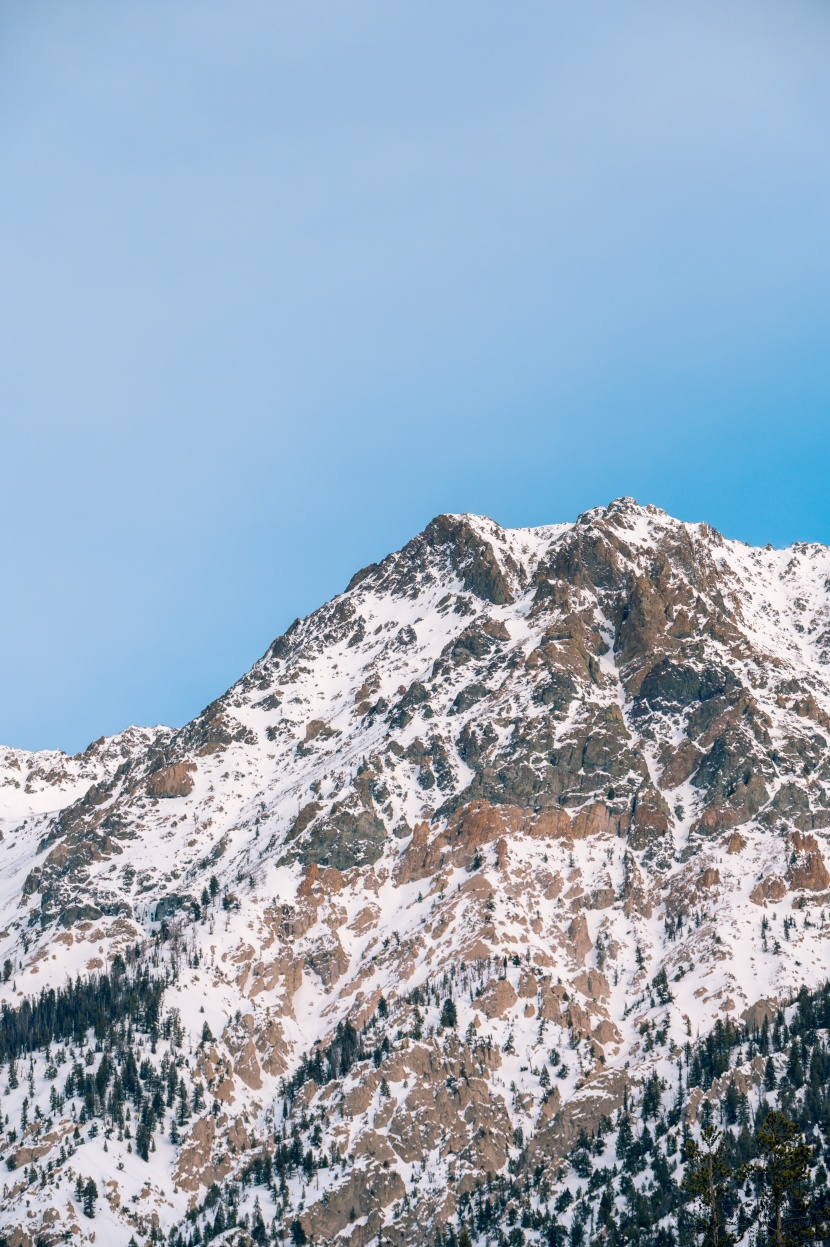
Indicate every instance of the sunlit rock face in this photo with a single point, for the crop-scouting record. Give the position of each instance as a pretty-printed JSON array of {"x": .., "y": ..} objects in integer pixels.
[{"x": 555, "y": 777}]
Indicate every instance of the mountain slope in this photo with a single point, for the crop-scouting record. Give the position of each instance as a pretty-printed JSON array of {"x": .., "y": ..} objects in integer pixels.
[{"x": 542, "y": 774}]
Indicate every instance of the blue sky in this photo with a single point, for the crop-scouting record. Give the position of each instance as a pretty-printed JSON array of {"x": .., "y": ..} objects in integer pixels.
[{"x": 280, "y": 281}]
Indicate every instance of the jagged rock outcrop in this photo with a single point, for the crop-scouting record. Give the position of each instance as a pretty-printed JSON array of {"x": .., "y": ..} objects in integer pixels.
[{"x": 429, "y": 877}]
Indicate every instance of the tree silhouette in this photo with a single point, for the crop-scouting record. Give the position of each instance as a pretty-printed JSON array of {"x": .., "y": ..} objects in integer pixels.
[
  {"x": 708, "y": 1174},
  {"x": 784, "y": 1163},
  {"x": 449, "y": 1014},
  {"x": 90, "y": 1194}
]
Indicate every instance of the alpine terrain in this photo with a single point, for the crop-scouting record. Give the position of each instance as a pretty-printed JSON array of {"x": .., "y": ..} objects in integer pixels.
[{"x": 490, "y": 905}]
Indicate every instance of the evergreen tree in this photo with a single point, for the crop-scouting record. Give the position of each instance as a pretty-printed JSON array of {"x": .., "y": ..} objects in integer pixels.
[
  {"x": 731, "y": 1104},
  {"x": 651, "y": 1097},
  {"x": 784, "y": 1163},
  {"x": 795, "y": 1069},
  {"x": 258, "y": 1231},
  {"x": 449, "y": 1014},
  {"x": 90, "y": 1195},
  {"x": 707, "y": 1176},
  {"x": 625, "y": 1138}
]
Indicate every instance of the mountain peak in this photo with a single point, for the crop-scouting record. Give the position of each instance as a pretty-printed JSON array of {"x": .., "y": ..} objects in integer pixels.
[{"x": 514, "y": 793}]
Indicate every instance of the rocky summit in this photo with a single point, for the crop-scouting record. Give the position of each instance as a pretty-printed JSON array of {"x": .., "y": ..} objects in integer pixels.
[{"x": 503, "y": 867}]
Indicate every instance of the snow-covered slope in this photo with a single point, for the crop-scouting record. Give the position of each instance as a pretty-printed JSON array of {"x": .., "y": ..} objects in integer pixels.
[
  {"x": 41, "y": 784},
  {"x": 527, "y": 770}
]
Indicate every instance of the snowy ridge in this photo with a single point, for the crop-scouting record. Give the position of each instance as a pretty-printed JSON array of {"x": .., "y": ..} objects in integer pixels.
[{"x": 529, "y": 771}]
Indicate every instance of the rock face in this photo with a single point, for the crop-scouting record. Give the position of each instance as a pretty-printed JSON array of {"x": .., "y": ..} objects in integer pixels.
[
  {"x": 172, "y": 781},
  {"x": 537, "y": 774}
]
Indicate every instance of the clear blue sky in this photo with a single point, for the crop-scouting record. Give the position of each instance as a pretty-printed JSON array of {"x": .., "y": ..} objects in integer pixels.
[{"x": 280, "y": 281}]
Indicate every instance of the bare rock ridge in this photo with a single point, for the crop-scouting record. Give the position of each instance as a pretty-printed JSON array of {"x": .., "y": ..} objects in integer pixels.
[{"x": 531, "y": 773}]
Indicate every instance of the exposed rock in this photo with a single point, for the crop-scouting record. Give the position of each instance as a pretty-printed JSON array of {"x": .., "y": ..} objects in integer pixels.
[
  {"x": 770, "y": 888},
  {"x": 172, "y": 781},
  {"x": 807, "y": 870},
  {"x": 497, "y": 999},
  {"x": 580, "y": 940},
  {"x": 527, "y": 772}
]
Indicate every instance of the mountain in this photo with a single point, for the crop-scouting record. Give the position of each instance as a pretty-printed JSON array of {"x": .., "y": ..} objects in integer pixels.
[{"x": 467, "y": 867}]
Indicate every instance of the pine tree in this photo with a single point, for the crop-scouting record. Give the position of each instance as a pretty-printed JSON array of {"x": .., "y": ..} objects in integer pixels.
[
  {"x": 651, "y": 1097},
  {"x": 784, "y": 1162},
  {"x": 90, "y": 1195},
  {"x": 625, "y": 1138},
  {"x": 258, "y": 1231},
  {"x": 184, "y": 1110},
  {"x": 707, "y": 1176},
  {"x": 449, "y": 1015},
  {"x": 795, "y": 1069},
  {"x": 605, "y": 1215}
]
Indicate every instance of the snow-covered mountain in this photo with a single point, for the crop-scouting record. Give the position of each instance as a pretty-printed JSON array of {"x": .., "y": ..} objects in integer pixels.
[{"x": 573, "y": 779}]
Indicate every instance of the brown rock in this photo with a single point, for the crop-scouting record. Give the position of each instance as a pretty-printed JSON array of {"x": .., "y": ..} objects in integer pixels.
[
  {"x": 423, "y": 857},
  {"x": 579, "y": 1019},
  {"x": 552, "y": 824},
  {"x": 366, "y": 1192},
  {"x": 605, "y": 1032},
  {"x": 650, "y": 821},
  {"x": 551, "y": 886},
  {"x": 497, "y": 998},
  {"x": 601, "y": 1097},
  {"x": 550, "y": 1003},
  {"x": 596, "y": 820},
  {"x": 272, "y": 1048},
  {"x": 528, "y": 985},
  {"x": 718, "y": 817},
  {"x": 328, "y": 959},
  {"x": 809, "y": 873},
  {"x": 194, "y": 1167},
  {"x": 593, "y": 983},
  {"x": 762, "y": 1011},
  {"x": 599, "y": 898},
  {"x": 550, "y": 1106},
  {"x": 481, "y": 823},
  {"x": 634, "y": 894},
  {"x": 808, "y": 708},
  {"x": 246, "y": 1066},
  {"x": 679, "y": 765},
  {"x": 769, "y": 889},
  {"x": 580, "y": 940},
  {"x": 172, "y": 781}
]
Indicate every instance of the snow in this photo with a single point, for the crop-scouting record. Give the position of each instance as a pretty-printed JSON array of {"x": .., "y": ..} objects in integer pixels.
[{"x": 236, "y": 821}]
